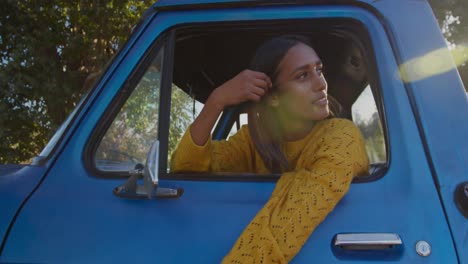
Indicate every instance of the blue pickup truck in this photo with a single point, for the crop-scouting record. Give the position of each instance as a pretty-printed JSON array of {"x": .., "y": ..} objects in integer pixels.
[{"x": 101, "y": 190}]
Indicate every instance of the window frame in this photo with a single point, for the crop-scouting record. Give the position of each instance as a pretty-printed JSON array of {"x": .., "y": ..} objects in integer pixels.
[
  {"x": 377, "y": 171},
  {"x": 121, "y": 97},
  {"x": 167, "y": 38}
]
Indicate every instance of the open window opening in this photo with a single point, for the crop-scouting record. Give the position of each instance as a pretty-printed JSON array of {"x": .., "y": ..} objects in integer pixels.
[{"x": 208, "y": 55}]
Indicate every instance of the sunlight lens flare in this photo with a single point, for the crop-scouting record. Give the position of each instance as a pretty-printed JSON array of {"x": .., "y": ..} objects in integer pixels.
[{"x": 433, "y": 63}]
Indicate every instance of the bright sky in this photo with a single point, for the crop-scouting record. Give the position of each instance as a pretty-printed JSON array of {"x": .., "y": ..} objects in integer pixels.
[{"x": 364, "y": 105}]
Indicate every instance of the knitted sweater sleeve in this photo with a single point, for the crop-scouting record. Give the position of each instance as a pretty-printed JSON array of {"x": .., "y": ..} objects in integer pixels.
[
  {"x": 232, "y": 155},
  {"x": 303, "y": 198}
]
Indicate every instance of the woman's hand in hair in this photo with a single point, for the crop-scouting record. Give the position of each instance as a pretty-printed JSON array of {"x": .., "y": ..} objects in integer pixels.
[{"x": 246, "y": 86}]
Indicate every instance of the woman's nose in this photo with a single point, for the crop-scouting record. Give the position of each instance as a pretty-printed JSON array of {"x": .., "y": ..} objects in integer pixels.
[{"x": 320, "y": 84}]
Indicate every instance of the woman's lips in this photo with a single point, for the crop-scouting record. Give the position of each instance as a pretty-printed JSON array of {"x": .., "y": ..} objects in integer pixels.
[{"x": 322, "y": 101}]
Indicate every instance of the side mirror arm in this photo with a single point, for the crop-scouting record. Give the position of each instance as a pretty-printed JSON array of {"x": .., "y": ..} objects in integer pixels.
[{"x": 150, "y": 188}]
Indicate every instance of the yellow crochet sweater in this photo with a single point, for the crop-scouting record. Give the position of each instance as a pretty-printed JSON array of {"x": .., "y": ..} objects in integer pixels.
[{"x": 324, "y": 163}]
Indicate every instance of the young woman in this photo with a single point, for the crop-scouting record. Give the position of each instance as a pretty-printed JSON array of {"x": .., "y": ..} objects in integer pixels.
[{"x": 290, "y": 131}]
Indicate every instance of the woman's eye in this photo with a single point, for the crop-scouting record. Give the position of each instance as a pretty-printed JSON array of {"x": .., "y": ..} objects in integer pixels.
[
  {"x": 319, "y": 70},
  {"x": 303, "y": 75}
]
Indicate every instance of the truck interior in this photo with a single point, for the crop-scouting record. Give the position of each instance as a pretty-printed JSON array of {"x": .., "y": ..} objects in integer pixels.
[{"x": 207, "y": 55}]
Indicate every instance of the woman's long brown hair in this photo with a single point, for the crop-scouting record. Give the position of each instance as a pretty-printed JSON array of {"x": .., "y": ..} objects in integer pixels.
[{"x": 264, "y": 127}]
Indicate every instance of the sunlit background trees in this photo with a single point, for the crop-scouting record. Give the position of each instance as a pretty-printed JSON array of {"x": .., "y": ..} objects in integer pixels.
[
  {"x": 453, "y": 20},
  {"x": 48, "y": 49}
]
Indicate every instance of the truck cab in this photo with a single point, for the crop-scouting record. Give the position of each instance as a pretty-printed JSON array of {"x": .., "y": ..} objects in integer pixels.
[{"x": 101, "y": 191}]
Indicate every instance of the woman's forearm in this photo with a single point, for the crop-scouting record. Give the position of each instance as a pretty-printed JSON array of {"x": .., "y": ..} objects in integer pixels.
[
  {"x": 246, "y": 86},
  {"x": 200, "y": 129}
]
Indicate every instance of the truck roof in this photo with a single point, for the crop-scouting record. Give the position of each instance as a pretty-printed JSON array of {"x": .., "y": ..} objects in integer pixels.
[{"x": 193, "y": 4}]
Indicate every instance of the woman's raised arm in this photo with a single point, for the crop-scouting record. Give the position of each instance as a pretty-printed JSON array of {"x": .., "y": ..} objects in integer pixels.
[
  {"x": 246, "y": 86},
  {"x": 195, "y": 151}
]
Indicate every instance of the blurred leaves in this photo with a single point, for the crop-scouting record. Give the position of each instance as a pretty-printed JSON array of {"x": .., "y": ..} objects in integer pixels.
[
  {"x": 47, "y": 50},
  {"x": 372, "y": 132},
  {"x": 452, "y": 16}
]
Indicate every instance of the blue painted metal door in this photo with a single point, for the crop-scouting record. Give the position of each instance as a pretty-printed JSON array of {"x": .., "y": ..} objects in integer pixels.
[
  {"x": 74, "y": 216},
  {"x": 440, "y": 103}
]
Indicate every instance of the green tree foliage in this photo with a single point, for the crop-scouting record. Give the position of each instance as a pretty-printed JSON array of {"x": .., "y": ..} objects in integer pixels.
[
  {"x": 135, "y": 128},
  {"x": 452, "y": 16},
  {"x": 372, "y": 132},
  {"x": 181, "y": 116},
  {"x": 132, "y": 132},
  {"x": 48, "y": 48}
]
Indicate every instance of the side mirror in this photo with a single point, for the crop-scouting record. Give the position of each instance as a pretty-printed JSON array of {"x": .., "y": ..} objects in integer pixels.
[{"x": 150, "y": 188}]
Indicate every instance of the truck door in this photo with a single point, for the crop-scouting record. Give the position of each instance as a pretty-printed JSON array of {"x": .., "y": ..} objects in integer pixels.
[
  {"x": 75, "y": 217},
  {"x": 440, "y": 105}
]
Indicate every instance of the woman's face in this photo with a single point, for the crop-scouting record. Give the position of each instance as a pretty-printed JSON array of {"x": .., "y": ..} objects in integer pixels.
[{"x": 302, "y": 89}]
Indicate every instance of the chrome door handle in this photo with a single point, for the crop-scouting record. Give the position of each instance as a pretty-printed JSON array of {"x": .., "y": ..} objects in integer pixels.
[{"x": 367, "y": 241}]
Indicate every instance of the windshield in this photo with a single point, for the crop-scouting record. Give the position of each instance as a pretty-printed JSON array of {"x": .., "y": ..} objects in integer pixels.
[{"x": 58, "y": 134}]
